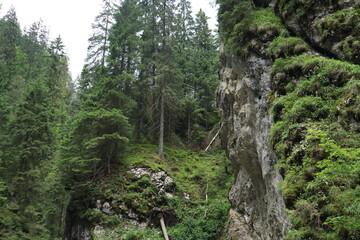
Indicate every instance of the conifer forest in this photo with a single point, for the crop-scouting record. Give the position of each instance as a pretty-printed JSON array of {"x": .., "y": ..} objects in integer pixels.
[{"x": 174, "y": 130}]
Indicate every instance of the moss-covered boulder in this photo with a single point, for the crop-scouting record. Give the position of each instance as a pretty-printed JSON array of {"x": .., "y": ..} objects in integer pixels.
[{"x": 333, "y": 26}]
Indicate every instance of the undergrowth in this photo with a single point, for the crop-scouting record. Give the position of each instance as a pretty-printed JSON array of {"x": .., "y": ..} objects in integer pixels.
[
  {"x": 205, "y": 177},
  {"x": 315, "y": 107}
]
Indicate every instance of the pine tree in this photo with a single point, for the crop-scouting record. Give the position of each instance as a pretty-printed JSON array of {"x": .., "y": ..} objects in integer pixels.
[
  {"x": 99, "y": 42},
  {"x": 33, "y": 79},
  {"x": 31, "y": 146},
  {"x": 196, "y": 64},
  {"x": 165, "y": 74},
  {"x": 9, "y": 40},
  {"x": 205, "y": 74},
  {"x": 125, "y": 38},
  {"x": 148, "y": 48},
  {"x": 58, "y": 79},
  {"x": 183, "y": 46}
]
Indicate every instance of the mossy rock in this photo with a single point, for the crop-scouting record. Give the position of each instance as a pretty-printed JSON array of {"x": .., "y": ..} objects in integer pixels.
[
  {"x": 254, "y": 32},
  {"x": 282, "y": 47}
]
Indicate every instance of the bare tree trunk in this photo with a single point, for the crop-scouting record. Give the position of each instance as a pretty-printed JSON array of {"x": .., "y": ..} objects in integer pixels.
[
  {"x": 161, "y": 131},
  {"x": 163, "y": 227},
  {"x": 188, "y": 127},
  {"x": 109, "y": 165},
  {"x": 137, "y": 128},
  {"x": 217, "y": 134},
  {"x": 61, "y": 219},
  {"x": 105, "y": 42}
]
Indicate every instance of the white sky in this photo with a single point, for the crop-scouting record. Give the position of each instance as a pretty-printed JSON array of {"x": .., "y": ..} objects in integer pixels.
[{"x": 72, "y": 20}]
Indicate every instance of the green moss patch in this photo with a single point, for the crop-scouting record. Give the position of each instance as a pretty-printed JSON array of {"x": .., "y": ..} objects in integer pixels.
[
  {"x": 254, "y": 31},
  {"x": 336, "y": 32},
  {"x": 343, "y": 26},
  {"x": 316, "y": 136},
  {"x": 282, "y": 47},
  {"x": 193, "y": 172}
]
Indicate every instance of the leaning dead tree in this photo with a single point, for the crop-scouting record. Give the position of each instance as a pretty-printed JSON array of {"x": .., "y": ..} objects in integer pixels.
[
  {"x": 163, "y": 217},
  {"x": 216, "y": 135}
]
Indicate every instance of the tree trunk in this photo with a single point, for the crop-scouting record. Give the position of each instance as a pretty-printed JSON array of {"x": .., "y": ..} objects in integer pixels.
[
  {"x": 137, "y": 129},
  {"x": 214, "y": 137},
  {"x": 105, "y": 42},
  {"x": 161, "y": 131},
  {"x": 163, "y": 227},
  {"x": 61, "y": 219},
  {"x": 188, "y": 128}
]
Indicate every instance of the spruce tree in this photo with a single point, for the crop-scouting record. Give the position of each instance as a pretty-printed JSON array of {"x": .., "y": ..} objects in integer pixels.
[
  {"x": 9, "y": 36},
  {"x": 205, "y": 73},
  {"x": 31, "y": 95},
  {"x": 98, "y": 48},
  {"x": 125, "y": 39}
]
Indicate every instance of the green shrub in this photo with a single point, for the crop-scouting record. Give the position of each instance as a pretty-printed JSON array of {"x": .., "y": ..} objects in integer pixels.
[{"x": 206, "y": 222}]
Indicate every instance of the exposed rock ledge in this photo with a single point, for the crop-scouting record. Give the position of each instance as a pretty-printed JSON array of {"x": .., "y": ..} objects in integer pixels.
[
  {"x": 258, "y": 209},
  {"x": 116, "y": 205}
]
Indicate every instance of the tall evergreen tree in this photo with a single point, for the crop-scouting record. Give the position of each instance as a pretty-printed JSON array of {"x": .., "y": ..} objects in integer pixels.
[
  {"x": 183, "y": 45},
  {"x": 34, "y": 44},
  {"x": 165, "y": 74},
  {"x": 205, "y": 74},
  {"x": 196, "y": 63},
  {"x": 9, "y": 36},
  {"x": 9, "y": 39},
  {"x": 99, "y": 42},
  {"x": 125, "y": 38},
  {"x": 33, "y": 77}
]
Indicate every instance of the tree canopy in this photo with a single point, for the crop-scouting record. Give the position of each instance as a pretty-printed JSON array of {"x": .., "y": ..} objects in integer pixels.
[{"x": 150, "y": 76}]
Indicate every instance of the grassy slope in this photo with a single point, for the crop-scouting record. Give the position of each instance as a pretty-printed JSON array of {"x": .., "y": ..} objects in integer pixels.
[{"x": 194, "y": 173}]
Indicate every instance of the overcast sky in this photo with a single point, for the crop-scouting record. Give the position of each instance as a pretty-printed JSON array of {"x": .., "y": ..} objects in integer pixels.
[{"x": 72, "y": 20}]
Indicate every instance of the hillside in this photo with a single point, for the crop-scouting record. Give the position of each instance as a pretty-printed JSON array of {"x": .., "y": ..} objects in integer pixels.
[
  {"x": 119, "y": 153},
  {"x": 188, "y": 188}
]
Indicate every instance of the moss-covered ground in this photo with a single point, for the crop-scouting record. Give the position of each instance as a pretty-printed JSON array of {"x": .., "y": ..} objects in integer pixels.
[{"x": 206, "y": 177}]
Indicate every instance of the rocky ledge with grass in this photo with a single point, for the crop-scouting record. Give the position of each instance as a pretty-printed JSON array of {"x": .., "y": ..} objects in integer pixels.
[{"x": 291, "y": 117}]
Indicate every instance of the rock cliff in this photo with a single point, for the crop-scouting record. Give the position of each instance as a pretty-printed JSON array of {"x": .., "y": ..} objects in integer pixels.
[
  {"x": 258, "y": 208},
  {"x": 278, "y": 85},
  {"x": 330, "y": 26}
]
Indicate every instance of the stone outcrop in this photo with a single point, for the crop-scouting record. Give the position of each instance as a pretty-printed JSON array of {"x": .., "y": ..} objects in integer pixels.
[
  {"x": 258, "y": 208},
  {"x": 130, "y": 204},
  {"x": 163, "y": 182},
  {"x": 332, "y": 26}
]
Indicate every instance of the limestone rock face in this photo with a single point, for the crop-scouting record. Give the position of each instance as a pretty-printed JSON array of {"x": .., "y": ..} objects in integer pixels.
[
  {"x": 161, "y": 179},
  {"x": 332, "y": 26},
  {"x": 257, "y": 207}
]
